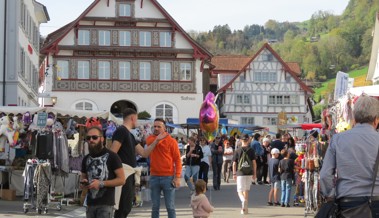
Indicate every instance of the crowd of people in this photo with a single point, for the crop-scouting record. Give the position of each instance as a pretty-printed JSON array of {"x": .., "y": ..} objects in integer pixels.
[{"x": 247, "y": 159}]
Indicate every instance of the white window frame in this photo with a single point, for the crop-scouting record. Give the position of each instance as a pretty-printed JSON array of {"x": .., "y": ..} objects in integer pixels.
[
  {"x": 144, "y": 70},
  {"x": 104, "y": 70},
  {"x": 124, "y": 38},
  {"x": 124, "y": 70},
  {"x": 224, "y": 79},
  {"x": 145, "y": 38},
  {"x": 247, "y": 120},
  {"x": 185, "y": 71},
  {"x": 283, "y": 99},
  {"x": 164, "y": 108},
  {"x": 86, "y": 105},
  {"x": 164, "y": 71},
  {"x": 165, "y": 39},
  {"x": 294, "y": 99},
  {"x": 242, "y": 99},
  {"x": 63, "y": 67},
  {"x": 286, "y": 99},
  {"x": 83, "y": 37},
  {"x": 124, "y": 10},
  {"x": 269, "y": 77},
  {"x": 270, "y": 121},
  {"x": 104, "y": 38},
  {"x": 83, "y": 69}
]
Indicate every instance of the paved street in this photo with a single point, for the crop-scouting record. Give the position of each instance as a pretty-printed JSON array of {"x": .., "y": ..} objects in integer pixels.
[{"x": 225, "y": 201}]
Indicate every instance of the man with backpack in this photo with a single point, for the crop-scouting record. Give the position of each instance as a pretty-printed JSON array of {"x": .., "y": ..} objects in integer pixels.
[{"x": 244, "y": 171}]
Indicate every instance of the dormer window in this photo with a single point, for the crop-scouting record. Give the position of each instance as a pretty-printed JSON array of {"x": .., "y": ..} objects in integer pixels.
[{"x": 124, "y": 10}]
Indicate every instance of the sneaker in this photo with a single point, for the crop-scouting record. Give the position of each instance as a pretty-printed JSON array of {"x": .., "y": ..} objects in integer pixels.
[
  {"x": 276, "y": 203},
  {"x": 244, "y": 211},
  {"x": 288, "y": 205},
  {"x": 270, "y": 204},
  {"x": 282, "y": 205},
  {"x": 260, "y": 183}
]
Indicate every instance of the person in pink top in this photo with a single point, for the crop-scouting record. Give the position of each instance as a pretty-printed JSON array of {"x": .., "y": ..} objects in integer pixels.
[{"x": 201, "y": 208}]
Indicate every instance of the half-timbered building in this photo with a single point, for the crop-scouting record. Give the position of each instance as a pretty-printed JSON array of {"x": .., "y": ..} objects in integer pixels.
[
  {"x": 264, "y": 87},
  {"x": 126, "y": 53}
]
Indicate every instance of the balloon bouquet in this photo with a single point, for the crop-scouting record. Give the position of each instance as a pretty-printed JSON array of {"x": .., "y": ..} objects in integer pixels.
[{"x": 209, "y": 117}]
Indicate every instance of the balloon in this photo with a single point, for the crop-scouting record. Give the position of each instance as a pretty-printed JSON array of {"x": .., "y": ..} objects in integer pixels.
[{"x": 209, "y": 117}]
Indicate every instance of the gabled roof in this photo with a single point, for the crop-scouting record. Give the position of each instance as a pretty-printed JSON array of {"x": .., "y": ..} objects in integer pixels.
[
  {"x": 53, "y": 39},
  {"x": 230, "y": 64},
  {"x": 276, "y": 55}
]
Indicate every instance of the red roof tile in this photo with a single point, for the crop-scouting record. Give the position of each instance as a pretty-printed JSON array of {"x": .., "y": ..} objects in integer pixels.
[
  {"x": 295, "y": 67},
  {"x": 229, "y": 63}
]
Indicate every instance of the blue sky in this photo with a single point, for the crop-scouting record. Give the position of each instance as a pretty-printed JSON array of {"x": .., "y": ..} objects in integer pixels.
[{"x": 203, "y": 15}]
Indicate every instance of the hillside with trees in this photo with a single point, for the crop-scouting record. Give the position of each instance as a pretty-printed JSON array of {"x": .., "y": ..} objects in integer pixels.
[{"x": 323, "y": 45}]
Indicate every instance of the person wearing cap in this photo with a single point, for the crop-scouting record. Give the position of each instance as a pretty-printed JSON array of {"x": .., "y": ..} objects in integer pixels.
[
  {"x": 352, "y": 154},
  {"x": 244, "y": 181},
  {"x": 273, "y": 165}
]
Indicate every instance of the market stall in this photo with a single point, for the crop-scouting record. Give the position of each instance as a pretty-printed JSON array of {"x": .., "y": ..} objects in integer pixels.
[{"x": 42, "y": 134}]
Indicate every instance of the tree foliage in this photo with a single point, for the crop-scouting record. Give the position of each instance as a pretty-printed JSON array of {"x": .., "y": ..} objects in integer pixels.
[{"x": 322, "y": 45}]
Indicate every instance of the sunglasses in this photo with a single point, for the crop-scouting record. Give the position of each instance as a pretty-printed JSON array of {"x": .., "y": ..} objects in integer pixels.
[{"x": 93, "y": 137}]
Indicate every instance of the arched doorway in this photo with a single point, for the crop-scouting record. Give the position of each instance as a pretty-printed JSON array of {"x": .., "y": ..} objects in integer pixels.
[{"x": 119, "y": 106}]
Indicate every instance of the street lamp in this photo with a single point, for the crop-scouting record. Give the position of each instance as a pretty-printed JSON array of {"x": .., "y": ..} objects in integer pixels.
[{"x": 54, "y": 100}]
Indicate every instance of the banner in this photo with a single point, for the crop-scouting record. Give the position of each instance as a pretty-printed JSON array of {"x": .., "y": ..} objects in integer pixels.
[{"x": 342, "y": 82}]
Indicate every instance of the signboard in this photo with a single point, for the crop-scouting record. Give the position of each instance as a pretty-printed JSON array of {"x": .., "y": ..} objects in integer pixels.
[
  {"x": 342, "y": 82},
  {"x": 41, "y": 119}
]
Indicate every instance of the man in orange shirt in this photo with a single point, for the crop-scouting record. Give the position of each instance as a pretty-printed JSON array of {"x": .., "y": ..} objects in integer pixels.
[{"x": 165, "y": 169}]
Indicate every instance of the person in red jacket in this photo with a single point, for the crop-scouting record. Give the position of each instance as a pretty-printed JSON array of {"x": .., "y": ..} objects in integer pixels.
[{"x": 165, "y": 169}]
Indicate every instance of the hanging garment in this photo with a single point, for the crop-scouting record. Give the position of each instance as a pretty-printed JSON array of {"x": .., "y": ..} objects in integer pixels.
[
  {"x": 45, "y": 145},
  {"x": 28, "y": 175},
  {"x": 42, "y": 180}
]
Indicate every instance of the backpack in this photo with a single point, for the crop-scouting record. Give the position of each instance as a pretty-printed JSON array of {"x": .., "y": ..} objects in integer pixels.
[{"x": 244, "y": 163}]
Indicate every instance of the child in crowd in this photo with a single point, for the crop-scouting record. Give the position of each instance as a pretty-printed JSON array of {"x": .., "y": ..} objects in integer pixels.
[
  {"x": 274, "y": 175},
  {"x": 201, "y": 207},
  {"x": 286, "y": 170}
]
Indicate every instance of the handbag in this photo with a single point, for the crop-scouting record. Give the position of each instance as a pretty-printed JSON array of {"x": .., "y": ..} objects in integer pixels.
[{"x": 328, "y": 210}]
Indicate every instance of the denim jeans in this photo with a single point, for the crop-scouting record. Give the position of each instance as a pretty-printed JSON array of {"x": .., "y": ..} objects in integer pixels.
[
  {"x": 191, "y": 171},
  {"x": 101, "y": 211},
  {"x": 158, "y": 184},
  {"x": 286, "y": 186}
]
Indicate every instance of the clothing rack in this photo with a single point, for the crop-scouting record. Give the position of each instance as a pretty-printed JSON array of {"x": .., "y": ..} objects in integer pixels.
[{"x": 37, "y": 188}]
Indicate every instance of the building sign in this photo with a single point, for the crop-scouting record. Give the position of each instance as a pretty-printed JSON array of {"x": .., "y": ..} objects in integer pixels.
[
  {"x": 342, "y": 82},
  {"x": 42, "y": 118},
  {"x": 187, "y": 98}
]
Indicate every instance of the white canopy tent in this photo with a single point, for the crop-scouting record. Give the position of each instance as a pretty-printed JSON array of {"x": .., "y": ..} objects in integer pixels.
[
  {"x": 369, "y": 90},
  {"x": 72, "y": 113}
]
